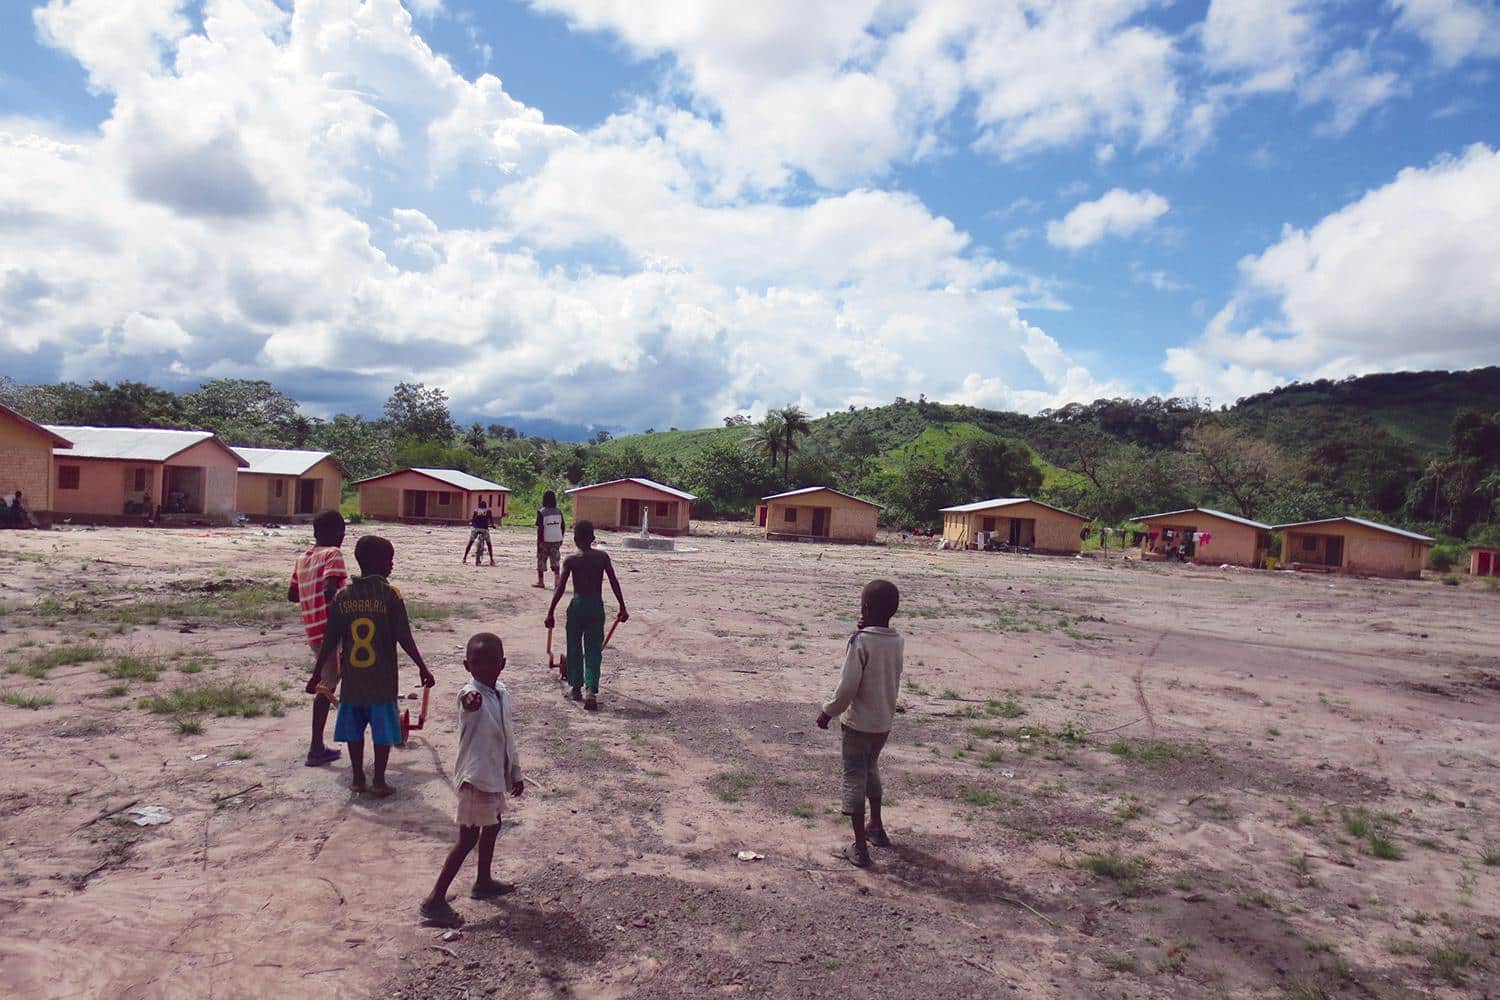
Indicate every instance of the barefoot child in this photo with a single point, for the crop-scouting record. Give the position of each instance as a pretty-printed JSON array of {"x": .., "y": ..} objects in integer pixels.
[
  {"x": 865, "y": 703},
  {"x": 316, "y": 577},
  {"x": 368, "y": 618},
  {"x": 585, "y": 625},
  {"x": 549, "y": 537},
  {"x": 488, "y": 765}
]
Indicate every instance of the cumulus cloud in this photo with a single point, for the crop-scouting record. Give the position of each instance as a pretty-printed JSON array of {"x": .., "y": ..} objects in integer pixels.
[
  {"x": 1116, "y": 213},
  {"x": 1454, "y": 29},
  {"x": 1403, "y": 277},
  {"x": 311, "y": 193},
  {"x": 1269, "y": 41}
]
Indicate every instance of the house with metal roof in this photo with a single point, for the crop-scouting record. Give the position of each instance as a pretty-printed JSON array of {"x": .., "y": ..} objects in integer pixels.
[
  {"x": 429, "y": 496},
  {"x": 1015, "y": 524},
  {"x": 620, "y": 504},
  {"x": 818, "y": 513},
  {"x": 1355, "y": 546},
  {"x": 26, "y": 463},
  {"x": 1204, "y": 536},
  {"x": 130, "y": 474},
  {"x": 288, "y": 483}
]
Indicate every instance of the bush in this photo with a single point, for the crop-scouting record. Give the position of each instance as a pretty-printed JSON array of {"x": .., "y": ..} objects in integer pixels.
[
  {"x": 355, "y": 518},
  {"x": 1446, "y": 555}
]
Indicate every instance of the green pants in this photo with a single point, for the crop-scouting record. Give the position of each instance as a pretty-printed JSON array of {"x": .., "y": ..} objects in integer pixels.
[{"x": 585, "y": 629}]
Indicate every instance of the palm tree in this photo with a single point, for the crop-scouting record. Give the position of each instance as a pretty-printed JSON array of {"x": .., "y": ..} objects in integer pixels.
[
  {"x": 793, "y": 422},
  {"x": 765, "y": 439}
]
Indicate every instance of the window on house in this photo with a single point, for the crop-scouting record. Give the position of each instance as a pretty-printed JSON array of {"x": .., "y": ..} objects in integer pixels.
[
  {"x": 140, "y": 480},
  {"x": 989, "y": 524},
  {"x": 661, "y": 510},
  {"x": 280, "y": 486},
  {"x": 67, "y": 477},
  {"x": 791, "y": 515},
  {"x": 444, "y": 498},
  {"x": 1309, "y": 543}
]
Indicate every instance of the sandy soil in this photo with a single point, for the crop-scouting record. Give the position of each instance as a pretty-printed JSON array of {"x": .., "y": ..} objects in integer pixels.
[{"x": 1107, "y": 779}]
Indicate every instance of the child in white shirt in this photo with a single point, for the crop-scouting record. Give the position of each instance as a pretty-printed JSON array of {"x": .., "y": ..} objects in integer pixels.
[{"x": 488, "y": 764}]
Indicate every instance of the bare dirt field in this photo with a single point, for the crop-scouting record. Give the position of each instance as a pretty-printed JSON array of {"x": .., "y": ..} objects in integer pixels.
[{"x": 1107, "y": 779}]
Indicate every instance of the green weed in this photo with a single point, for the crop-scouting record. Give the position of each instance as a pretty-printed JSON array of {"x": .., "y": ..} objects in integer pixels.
[
  {"x": 1147, "y": 752},
  {"x": 19, "y": 699},
  {"x": 188, "y": 727},
  {"x": 731, "y": 786},
  {"x": 131, "y": 668},
  {"x": 244, "y": 700},
  {"x": 59, "y": 656}
]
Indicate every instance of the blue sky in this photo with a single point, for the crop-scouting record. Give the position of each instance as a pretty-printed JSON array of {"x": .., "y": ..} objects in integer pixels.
[{"x": 605, "y": 213}]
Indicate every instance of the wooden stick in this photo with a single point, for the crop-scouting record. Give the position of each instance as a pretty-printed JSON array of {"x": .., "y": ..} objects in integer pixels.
[
  {"x": 225, "y": 798},
  {"x": 107, "y": 815},
  {"x": 538, "y": 784},
  {"x": 1027, "y": 906},
  {"x": 1101, "y": 732}
]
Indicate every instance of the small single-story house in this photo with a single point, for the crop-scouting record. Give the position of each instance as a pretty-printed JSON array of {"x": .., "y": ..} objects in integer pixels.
[
  {"x": 432, "y": 496},
  {"x": 280, "y": 482},
  {"x": 1353, "y": 545},
  {"x": 1013, "y": 522},
  {"x": 26, "y": 461},
  {"x": 124, "y": 473},
  {"x": 1484, "y": 561},
  {"x": 619, "y": 505},
  {"x": 818, "y": 513},
  {"x": 1212, "y": 537}
]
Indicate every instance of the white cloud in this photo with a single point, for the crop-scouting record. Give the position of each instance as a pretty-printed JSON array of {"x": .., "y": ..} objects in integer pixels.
[
  {"x": 1351, "y": 87},
  {"x": 1267, "y": 41},
  {"x": 284, "y": 194},
  {"x": 1404, "y": 277},
  {"x": 1455, "y": 29},
  {"x": 1116, "y": 213}
]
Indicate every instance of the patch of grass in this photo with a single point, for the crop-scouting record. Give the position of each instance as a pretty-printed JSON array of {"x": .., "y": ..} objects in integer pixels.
[
  {"x": 242, "y": 754},
  {"x": 1490, "y": 856},
  {"x": 1146, "y": 751},
  {"x": 1449, "y": 962},
  {"x": 1007, "y": 709},
  {"x": 58, "y": 656},
  {"x": 1123, "y": 962},
  {"x": 1382, "y": 847},
  {"x": 194, "y": 665},
  {"x": 1128, "y": 808},
  {"x": 244, "y": 700},
  {"x": 188, "y": 727},
  {"x": 1272, "y": 732},
  {"x": 731, "y": 786},
  {"x": 1219, "y": 810},
  {"x": 1306, "y": 989},
  {"x": 1124, "y": 871},
  {"x": 19, "y": 699},
  {"x": 133, "y": 668},
  {"x": 950, "y": 695},
  {"x": 116, "y": 690},
  {"x": 980, "y": 797},
  {"x": 1374, "y": 830}
]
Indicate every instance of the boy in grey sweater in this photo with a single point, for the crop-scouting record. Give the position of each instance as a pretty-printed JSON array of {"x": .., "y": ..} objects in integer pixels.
[{"x": 865, "y": 705}]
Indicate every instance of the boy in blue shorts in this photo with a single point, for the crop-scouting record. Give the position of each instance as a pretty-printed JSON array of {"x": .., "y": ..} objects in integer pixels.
[{"x": 368, "y": 620}]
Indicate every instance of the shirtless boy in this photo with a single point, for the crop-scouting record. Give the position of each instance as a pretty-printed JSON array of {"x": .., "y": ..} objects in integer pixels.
[{"x": 585, "y": 624}]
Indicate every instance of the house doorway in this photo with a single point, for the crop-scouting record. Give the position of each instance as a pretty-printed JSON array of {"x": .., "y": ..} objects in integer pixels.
[
  {"x": 184, "y": 490},
  {"x": 307, "y": 495},
  {"x": 419, "y": 503},
  {"x": 820, "y": 522},
  {"x": 1333, "y": 555}
]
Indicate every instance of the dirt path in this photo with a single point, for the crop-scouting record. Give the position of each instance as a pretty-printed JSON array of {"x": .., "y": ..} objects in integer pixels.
[{"x": 1261, "y": 739}]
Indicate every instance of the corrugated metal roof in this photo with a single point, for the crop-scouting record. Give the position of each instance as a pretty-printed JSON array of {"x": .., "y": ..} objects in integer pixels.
[
  {"x": 1210, "y": 512},
  {"x": 135, "y": 444},
  {"x": 279, "y": 461},
  {"x": 1361, "y": 522},
  {"x": 639, "y": 481},
  {"x": 821, "y": 489},
  {"x": 450, "y": 477},
  {"x": 969, "y": 508}
]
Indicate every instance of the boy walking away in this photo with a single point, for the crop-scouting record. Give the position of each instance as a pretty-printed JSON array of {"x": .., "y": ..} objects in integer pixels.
[
  {"x": 368, "y": 619},
  {"x": 865, "y": 705},
  {"x": 317, "y": 576},
  {"x": 585, "y": 626},
  {"x": 480, "y": 523},
  {"x": 488, "y": 765},
  {"x": 549, "y": 537}
]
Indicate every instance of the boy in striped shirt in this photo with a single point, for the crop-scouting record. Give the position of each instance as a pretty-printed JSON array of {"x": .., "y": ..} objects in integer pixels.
[{"x": 318, "y": 575}]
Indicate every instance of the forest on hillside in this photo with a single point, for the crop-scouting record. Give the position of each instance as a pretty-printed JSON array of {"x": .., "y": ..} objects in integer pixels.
[{"x": 1418, "y": 449}]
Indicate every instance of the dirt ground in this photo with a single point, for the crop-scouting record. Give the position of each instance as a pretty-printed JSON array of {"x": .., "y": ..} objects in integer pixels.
[{"x": 1107, "y": 779}]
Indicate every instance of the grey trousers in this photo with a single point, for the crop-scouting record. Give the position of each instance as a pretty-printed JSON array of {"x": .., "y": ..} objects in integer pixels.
[{"x": 861, "y": 753}]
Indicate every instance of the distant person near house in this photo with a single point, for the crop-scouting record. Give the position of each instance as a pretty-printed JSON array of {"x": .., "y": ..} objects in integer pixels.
[
  {"x": 480, "y": 523},
  {"x": 550, "y": 529}
]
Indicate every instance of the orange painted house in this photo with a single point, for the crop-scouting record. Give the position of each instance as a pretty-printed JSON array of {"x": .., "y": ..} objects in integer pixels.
[
  {"x": 818, "y": 513},
  {"x": 1355, "y": 546},
  {"x": 1015, "y": 523},
  {"x": 26, "y": 461},
  {"x": 126, "y": 473},
  {"x": 1484, "y": 561},
  {"x": 429, "y": 496},
  {"x": 280, "y": 482},
  {"x": 618, "y": 505},
  {"x": 1232, "y": 540}
]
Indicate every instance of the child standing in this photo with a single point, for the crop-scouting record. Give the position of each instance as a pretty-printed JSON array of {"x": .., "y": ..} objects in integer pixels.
[
  {"x": 865, "y": 704},
  {"x": 480, "y": 523},
  {"x": 585, "y": 625},
  {"x": 316, "y": 577},
  {"x": 488, "y": 765},
  {"x": 549, "y": 537},
  {"x": 368, "y": 619}
]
